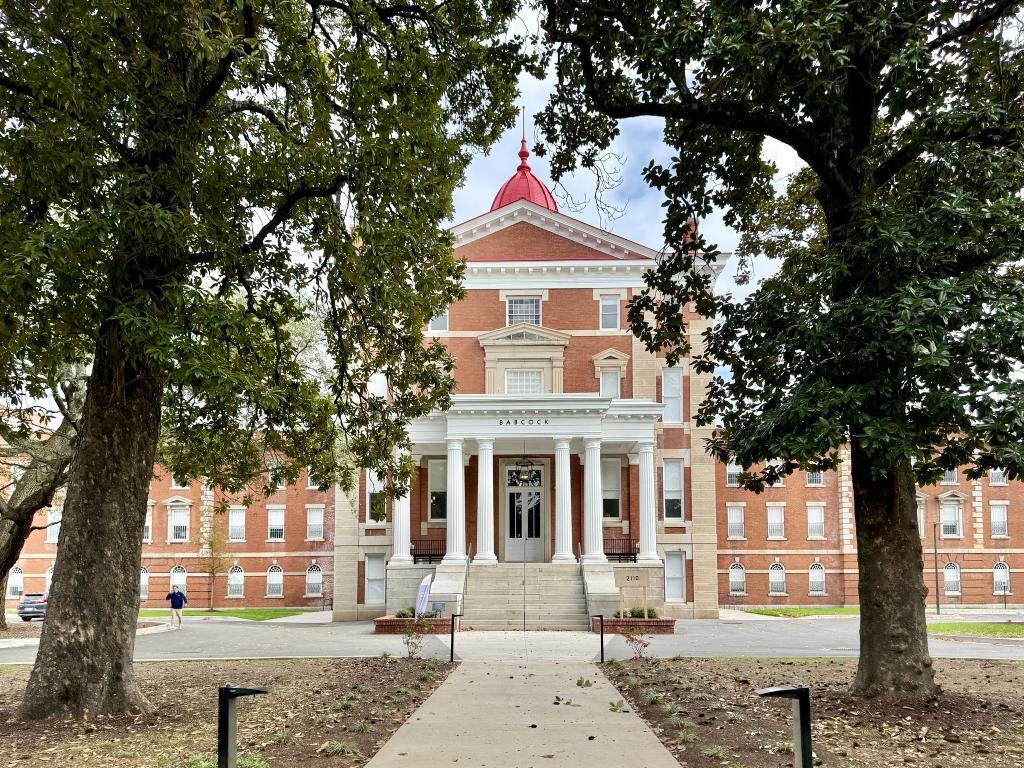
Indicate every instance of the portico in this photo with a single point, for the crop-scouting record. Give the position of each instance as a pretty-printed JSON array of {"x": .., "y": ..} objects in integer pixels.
[{"x": 526, "y": 462}]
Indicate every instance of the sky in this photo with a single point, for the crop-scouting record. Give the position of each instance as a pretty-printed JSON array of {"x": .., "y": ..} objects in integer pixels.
[{"x": 638, "y": 142}]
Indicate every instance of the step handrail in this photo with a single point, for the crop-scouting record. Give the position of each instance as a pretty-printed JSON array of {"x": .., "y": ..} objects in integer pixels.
[
  {"x": 583, "y": 578},
  {"x": 465, "y": 578}
]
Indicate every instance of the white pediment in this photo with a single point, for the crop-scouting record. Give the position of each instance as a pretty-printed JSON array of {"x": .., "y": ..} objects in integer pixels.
[
  {"x": 524, "y": 334},
  {"x": 611, "y": 356},
  {"x": 177, "y": 501}
]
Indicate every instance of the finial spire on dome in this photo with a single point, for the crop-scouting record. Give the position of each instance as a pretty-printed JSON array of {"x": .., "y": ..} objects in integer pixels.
[{"x": 524, "y": 185}]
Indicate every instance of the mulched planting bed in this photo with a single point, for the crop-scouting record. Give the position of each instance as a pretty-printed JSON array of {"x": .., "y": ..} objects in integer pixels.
[
  {"x": 19, "y": 630},
  {"x": 706, "y": 713},
  {"x": 324, "y": 712}
]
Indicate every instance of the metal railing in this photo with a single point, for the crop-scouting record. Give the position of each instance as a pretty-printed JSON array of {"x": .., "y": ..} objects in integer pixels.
[
  {"x": 951, "y": 528},
  {"x": 583, "y": 578},
  {"x": 776, "y": 529},
  {"x": 816, "y": 529},
  {"x": 736, "y": 530}
]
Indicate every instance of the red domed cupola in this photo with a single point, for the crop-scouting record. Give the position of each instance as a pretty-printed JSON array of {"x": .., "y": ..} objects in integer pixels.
[{"x": 524, "y": 186}]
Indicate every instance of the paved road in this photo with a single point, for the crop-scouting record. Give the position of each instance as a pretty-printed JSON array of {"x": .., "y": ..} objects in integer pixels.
[{"x": 824, "y": 636}]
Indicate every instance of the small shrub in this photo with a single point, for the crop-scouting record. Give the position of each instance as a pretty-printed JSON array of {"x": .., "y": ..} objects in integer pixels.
[
  {"x": 716, "y": 752},
  {"x": 362, "y": 726},
  {"x": 342, "y": 748},
  {"x": 637, "y": 612},
  {"x": 283, "y": 736},
  {"x": 413, "y": 636},
  {"x": 648, "y": 696},
  {"x": 686, "y": 736},
  {"x": 251, "y": 760},
  {"x": 405, "y": 613},
  {"x": 637, "y": 643},
  {"x": 425, "y": 677}
]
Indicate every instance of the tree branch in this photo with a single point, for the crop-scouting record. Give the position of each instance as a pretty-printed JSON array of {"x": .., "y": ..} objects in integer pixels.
[{"x": 979, "y": 20}]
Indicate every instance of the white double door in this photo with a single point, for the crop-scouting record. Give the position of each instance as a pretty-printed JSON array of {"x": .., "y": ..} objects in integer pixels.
[{"x": 524, "y": 515}]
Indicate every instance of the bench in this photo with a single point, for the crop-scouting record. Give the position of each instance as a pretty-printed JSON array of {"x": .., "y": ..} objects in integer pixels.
[
  {"x": 621, "y": 550},
  {"x": 428, "y": 550}
]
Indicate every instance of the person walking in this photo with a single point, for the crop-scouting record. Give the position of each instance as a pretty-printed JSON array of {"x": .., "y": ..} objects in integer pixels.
[{"x": 178, "y": 601}]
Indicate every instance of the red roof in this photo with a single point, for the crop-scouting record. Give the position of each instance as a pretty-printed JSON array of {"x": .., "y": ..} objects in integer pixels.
[{"x": 524, "y": 186}]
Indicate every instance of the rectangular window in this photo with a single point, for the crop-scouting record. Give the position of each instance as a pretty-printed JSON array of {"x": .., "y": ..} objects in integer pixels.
[
  {"x": 951, "y": 579},
  {"x": 314, "y": 581},
  {"x": 236, "y": 524},
  {"x": 178, "y": 484},
  {"x": 275, "y": 523},
  {"x": 376, "y": 502},
  {"x": 143, "y": 584},
  {"x": 737, "y": 580},
  {"x": 816, "y": 580},
  {"x": 672, "y": 394},
  {"x": 178, "y": 528},
  {"x": 815, "y": 521},
  {"x": 440, "y": 323},
  {"x": 776, "y": 521},
  {"x": 673, "y": 489},
  {"x": 949, "y": 513},
  {"x": 675, "y": 577},
  {"x": 236, "y": 582},
  {"x": 523, "y": 382},
  {"x": 437, "y": 482},
  {"x": 949, "y": 477},
  {"x": 377, "y": 385},
  {"x": 732, "y": 474},
  {"x": 315, "y": 523},
  {"x": 523, "y": 309},
  {"x": 734, "y": 513},
  {"x": 996, "y": 477},
  {"x": 147, "y": 527},
  {"x": 609, "y": 313},
  {"x": 920, "y": 517},
  {"x": 610, "y": 380},
  {"x": 781, "y": 482},
  {"x": 374, "y": 573},
  {"x": 311, "y": 484},
  {"x": 815, "y": 479},
  {"x": 611, "y": 477},
  {"x": 53, "y": 517},
  {"x": 1000, "y": 526}
]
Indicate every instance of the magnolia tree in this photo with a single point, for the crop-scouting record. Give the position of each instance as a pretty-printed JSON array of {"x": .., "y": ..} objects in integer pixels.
[
  {"x": 895, "y": 323},
  {"x": 183, "y": 182}
]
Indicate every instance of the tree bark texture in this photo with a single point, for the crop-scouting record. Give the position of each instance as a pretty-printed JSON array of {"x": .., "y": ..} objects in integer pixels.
[
  {"x": 84, "y": 663},
  {"x": 894, "y": 658}
]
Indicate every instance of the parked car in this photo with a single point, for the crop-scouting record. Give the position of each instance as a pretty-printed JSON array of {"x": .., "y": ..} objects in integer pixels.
[{"x": 32, "y": 606}]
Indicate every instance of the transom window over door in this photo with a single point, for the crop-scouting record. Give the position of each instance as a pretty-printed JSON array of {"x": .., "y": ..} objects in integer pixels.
[
  {"x": 520, "y": 381},
  {"x": 523, "y": 309}
]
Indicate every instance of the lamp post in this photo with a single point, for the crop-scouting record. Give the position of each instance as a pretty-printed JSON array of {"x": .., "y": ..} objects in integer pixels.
[{"x": 935, "y": 552}]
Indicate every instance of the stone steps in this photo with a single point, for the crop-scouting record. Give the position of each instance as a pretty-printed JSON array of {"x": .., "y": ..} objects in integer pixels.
[{"x": 550, "y": 595}]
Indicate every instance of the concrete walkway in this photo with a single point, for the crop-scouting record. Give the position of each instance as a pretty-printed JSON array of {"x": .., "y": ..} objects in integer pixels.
[{"x": 503, "y": 715}]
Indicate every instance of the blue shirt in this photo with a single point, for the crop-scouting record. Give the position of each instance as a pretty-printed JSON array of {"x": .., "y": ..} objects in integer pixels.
[{"x": 177, "y": 599}]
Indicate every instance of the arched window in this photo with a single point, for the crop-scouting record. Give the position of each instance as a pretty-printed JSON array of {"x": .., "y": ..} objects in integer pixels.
[
  {"x": 314, "y": 581},
  {"x": 737, "y": 579},
  {"x": 15, "y": 582},
  {"x": 236, "y": 581},
  {"x": 776, "y": 579},
  {"x": 816, "y": 579},
  {"x": 49, "y": 578},
  {"x": 951, "y": 577},
  {"x": 275, "y": 581},
  {"x": 143, "y": 584},
  {"x": 179, "y": 577},
  {"x": 1001, "y": 578}
]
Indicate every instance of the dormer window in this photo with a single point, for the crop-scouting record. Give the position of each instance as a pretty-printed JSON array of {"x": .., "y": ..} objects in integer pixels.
[{"x": 522, "y": 309}]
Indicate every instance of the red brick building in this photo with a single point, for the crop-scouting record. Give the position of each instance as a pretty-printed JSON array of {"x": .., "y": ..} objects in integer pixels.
[{"x": 570, "y": 451}]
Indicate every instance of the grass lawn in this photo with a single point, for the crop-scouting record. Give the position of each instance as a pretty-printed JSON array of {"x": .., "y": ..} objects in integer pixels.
[
  {"x": 706, "y": 713},
  {"x": 977, "y": 628},
  {"x": 321, "y": 713},
  {"x": 253, "y": 614},
  {"x": 796, "y": 613}
]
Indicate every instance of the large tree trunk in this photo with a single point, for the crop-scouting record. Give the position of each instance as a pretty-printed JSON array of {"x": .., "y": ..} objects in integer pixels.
[
  {"x": 84, "y": 663},
  {"x": 894, "y": 658},
  {"x": 3, "y": 601}
]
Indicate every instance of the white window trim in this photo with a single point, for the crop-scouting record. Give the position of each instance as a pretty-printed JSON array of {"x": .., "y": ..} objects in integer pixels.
[
  {"x": 170, "y": 580},
  {"x": 729, "y": 471},
  {"x": 816, "y": 505},
  {"x": 681, "y": 553},
  {"x": 614, "y": 465},
  {"x": 228, "y": 595},
  {"x": 143, "y": 571},
  {"x": 781, "y": 482},
  {"x": 809, "y": 484},
  {"x": 681, "y": 463},
  {"x": 275, "y": 569},
  {"x": 310, "y": 484},
  {"x": 445, "y": 314},
  {"x": 370, "y": 522},
  {"x": 738, "y": 567},
  {"x": 768, "y": 519},
  {"x": 509, "y": 373},
  {"x": 323, "y": 523},
  {"x": 609, "y": 297},
  {"x": 956, "y": 474},
  {"x": 742, "y": 507},
  {"x": 178, "y": 504},
  {"x": 959, "y": 579},
  {"x": 540, "y": 298},
  {"x": 1005, "y": 506},
  {"x": 959, "y": 517},
  {"x": 776, "y": 568},
  {"x": 1001, "y": 484},
  {"x": 175, "y": 486},
  {"x": 366, "y": 578},
  {"x": 245, "y": 521},
  {"x": 824, "y": 580},
  {"x": 608, "y": 371},
  {"x": 1001, "y": 565},
  {"x": 148, "y": 524},
  {"x": 665, "y": 400},
  {"x": 430, "y": 518},
  {"x": 309, "y": 570},
  {"x": 15, "y": 571},
  {"x": 276, "y": 508},
  {"x": 53, "y": 526}
]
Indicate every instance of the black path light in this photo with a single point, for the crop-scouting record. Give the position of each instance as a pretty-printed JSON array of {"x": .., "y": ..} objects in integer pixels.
[
  {"x": 803, "y": 756},
  {"x": 227, "y": 722}
]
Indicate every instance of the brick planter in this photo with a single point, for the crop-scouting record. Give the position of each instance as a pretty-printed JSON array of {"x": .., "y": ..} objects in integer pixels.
[
  {"x": 392, "y": 625},
  {"x": 664, "y": 626}
]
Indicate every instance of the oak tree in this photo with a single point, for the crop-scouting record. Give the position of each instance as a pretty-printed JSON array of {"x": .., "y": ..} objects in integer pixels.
[
  {"x": 895, "y": 324},
  {"x": 182, "y": 181}
]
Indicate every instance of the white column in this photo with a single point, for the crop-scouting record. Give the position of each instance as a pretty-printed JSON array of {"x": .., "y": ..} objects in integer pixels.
[
  {"x": 401, "y": 544},
  {"x": 485, "y": 502},
  {"x": 563, "y": 504},
  {"x": 456, "y": 534},
  {"x": 648, "y": 520},
  {"x": 593, "y": 526}
]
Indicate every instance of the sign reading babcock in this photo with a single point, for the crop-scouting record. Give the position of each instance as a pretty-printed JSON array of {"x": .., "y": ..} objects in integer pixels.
[{"x": 525, "y": 421}]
